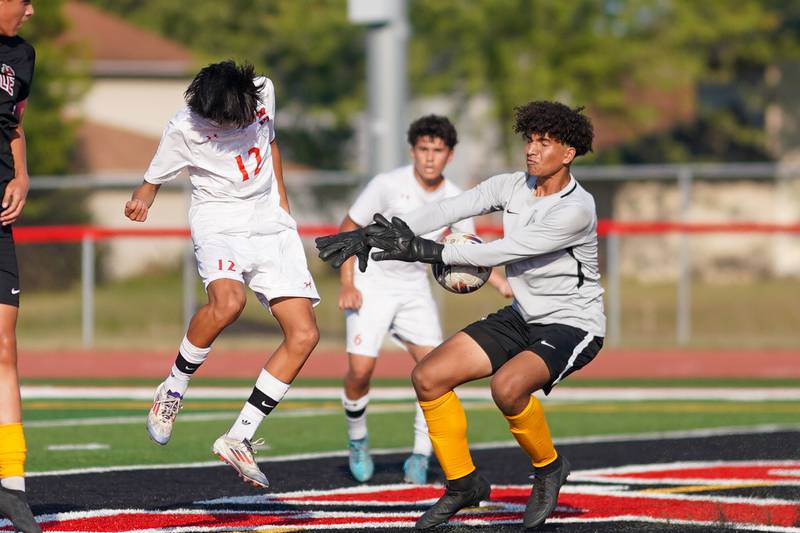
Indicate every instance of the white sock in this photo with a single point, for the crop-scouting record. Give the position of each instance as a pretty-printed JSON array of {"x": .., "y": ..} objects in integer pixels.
[
  {"x": 183, "y": 370},
  {"x": 356, "y": 415},
  {"x": 13, "y": 483},
  {"x": 422, "y": 442},
  {"x": 268, "y": 391}
]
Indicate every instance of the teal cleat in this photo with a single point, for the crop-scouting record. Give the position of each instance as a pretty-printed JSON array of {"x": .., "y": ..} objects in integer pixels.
[
  {"x": 361, "y": 465},
  {"x": 415, "y": 469}
]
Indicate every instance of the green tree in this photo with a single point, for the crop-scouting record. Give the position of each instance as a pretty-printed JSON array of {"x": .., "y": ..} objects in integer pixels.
[
  {"x": 308, "y": 47},
  {"x": 619, "y": 58}
]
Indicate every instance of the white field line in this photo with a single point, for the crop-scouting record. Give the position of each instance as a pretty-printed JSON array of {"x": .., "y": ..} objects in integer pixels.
[
  {"x": 77, "y": 447},
  {"x": 225, "y": 415},
  {"x": 562, "y": 394},
  {"x": 624, "y": 437}
]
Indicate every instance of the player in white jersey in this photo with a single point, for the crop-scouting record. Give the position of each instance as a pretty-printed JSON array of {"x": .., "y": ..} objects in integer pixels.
[
  {"x": 243, "y": 235},
  {"x": 395, "y": 296},
  {"x": 554, "y": 327}
]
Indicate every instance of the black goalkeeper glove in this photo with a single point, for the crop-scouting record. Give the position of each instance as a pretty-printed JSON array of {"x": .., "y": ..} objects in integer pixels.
[
  {"x": 338, "y": 248},
  {"x": 399, "y": 243}
]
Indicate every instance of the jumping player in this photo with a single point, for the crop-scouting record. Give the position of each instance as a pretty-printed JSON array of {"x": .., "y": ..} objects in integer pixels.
[
  {"x": 17, "y": 59},
  {"x": 554, "y": 326},
  {"x": 393, "y": 296},
  {"x": 243, "y": 235}
]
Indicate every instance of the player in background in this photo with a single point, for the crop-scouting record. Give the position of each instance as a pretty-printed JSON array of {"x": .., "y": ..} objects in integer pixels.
[
  {"x": 243, "y": 235},
  {"x": 394, "y": 296},
  {"x": 554, "y": 326},
  {"x": 17, "y": 59}
]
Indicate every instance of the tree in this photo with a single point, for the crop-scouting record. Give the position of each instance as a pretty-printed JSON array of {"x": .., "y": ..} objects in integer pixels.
[
  {"x": 619, "y": 58},
  {"x": 308, "y": 47},
  {"x": 606, "y": 55}
]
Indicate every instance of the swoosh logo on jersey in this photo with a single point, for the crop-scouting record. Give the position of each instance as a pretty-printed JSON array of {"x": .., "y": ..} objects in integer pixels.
[
  {"x": 510, "y": 212},
  {"x": 14, "y": 291},
  {"x": 548, "y": 344}
]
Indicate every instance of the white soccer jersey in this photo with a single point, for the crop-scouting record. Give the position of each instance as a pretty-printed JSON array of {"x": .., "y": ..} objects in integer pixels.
[
  {"x": 549, "y": 247},
  {"x": 231, "y": 171},
  {"x": 397, "y": 193}
]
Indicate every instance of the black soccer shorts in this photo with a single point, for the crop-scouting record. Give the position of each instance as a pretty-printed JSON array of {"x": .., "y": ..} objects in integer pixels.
[
  {"x": 564, "y": 349},
  {"x": 9, "y": 273}
]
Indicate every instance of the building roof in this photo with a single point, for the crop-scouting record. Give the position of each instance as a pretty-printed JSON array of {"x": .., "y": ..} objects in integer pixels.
[
  {"x": 103, "y": 149},
  {"x": 118, "y": 48}
]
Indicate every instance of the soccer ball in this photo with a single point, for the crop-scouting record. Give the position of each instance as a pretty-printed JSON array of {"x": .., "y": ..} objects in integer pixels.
[{"x": 461, "y": 279}]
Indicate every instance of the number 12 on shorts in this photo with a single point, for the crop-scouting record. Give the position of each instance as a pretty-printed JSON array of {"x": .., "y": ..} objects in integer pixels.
[{"x": 226, "y": 264}]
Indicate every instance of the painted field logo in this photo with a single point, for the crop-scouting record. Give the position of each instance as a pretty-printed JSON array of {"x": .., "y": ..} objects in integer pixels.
[{"x": 760, "y": 495}]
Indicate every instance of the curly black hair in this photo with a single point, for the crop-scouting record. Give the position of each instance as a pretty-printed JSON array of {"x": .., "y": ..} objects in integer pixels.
[
  {"x": 433, "y": 126},
  {"x": 567, "y": 126},
  {"x": 225, "y": 93}
]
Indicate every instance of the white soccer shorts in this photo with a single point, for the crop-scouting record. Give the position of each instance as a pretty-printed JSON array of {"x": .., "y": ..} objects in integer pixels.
[
  {"x": 410, "y": 316},
  {"x": 273, "y": 266}
]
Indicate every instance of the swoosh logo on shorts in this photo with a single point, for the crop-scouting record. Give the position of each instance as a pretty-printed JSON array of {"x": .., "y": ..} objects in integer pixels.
[
  {"x": 14, "y": 291},
  {"x": 548, "y": 344}
]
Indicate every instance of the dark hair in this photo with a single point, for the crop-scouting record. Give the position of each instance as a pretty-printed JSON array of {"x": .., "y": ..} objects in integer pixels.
[
  {"x": 567, "y": 126},
  {"x": 225, "y": 93},
  {"x": 433, "y": 126}
]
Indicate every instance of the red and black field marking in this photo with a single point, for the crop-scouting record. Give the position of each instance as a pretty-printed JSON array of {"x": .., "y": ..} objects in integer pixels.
[{"x": 745, "y": 481}]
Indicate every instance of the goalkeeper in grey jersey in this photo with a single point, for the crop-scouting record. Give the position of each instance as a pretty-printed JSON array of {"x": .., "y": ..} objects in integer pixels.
[{"x": 554, "y": 327}]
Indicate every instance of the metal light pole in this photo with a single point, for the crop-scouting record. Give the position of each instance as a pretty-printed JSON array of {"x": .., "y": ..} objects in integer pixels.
[{"x": 387, "y": 84}]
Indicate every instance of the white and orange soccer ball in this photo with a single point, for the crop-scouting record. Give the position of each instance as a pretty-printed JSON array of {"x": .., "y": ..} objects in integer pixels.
[{"x": 460, "y": 279}]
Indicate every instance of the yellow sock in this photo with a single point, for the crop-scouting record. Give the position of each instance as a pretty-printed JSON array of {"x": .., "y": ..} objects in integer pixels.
[
  {"x": 531, "y": 431},
  {"x": 447, "y": 427},
  {"x": 12, "y": 450}
]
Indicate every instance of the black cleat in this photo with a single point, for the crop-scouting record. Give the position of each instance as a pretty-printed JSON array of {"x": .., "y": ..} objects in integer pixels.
[
  {"x": 547, "y": 483},
  {"x": 14, "y": 506},
  {"x": 467, "y": 491}
]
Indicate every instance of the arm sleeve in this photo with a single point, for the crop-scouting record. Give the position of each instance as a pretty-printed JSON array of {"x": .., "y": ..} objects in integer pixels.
[
  {"x": 484, "y": 198},
  {"x": 464, "y": 226},
  {"x": 369, "y": 202},
  {"x": 25, "y": 88},
  {"x": 268, "y": 97},
  {"x": 561, "y": 228},
  {"x": 172, "y": 156}
]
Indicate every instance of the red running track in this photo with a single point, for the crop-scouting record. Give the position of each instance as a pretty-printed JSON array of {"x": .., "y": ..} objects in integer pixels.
[{"x": 610, "y": 363}]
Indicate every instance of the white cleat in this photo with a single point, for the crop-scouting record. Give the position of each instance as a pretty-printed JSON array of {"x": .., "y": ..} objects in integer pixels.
[
  {"x": 239, "y": 454},
  {"x": 161, "y": 417}
]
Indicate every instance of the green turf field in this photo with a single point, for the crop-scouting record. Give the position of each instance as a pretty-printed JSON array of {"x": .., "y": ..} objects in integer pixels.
[{"x": 117, "y": 426}]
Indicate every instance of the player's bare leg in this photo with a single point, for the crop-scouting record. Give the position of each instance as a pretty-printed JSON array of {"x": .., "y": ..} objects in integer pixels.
[
  {"x": 415, "y": 467},
  {"x": 301, "y": 335},
  {"x": 11, "y": 411},
  {"x": 355, "y": 401},
  {"x": 512, "y": 389},
  {"x": 226, "y": 301},
  {"x": 458, "y": 360},
  {"x": 296, "y": 318},
  {"x": 13, "y": 503}
]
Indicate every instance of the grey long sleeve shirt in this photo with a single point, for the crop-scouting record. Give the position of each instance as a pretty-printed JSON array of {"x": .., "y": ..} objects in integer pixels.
[{"x": 549, "y": 247}]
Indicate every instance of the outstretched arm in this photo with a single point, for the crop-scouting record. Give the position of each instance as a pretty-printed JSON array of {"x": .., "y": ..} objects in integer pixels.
[
  {"x": 143, "y": 197},
  {"x": 399, "y": 243}
]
